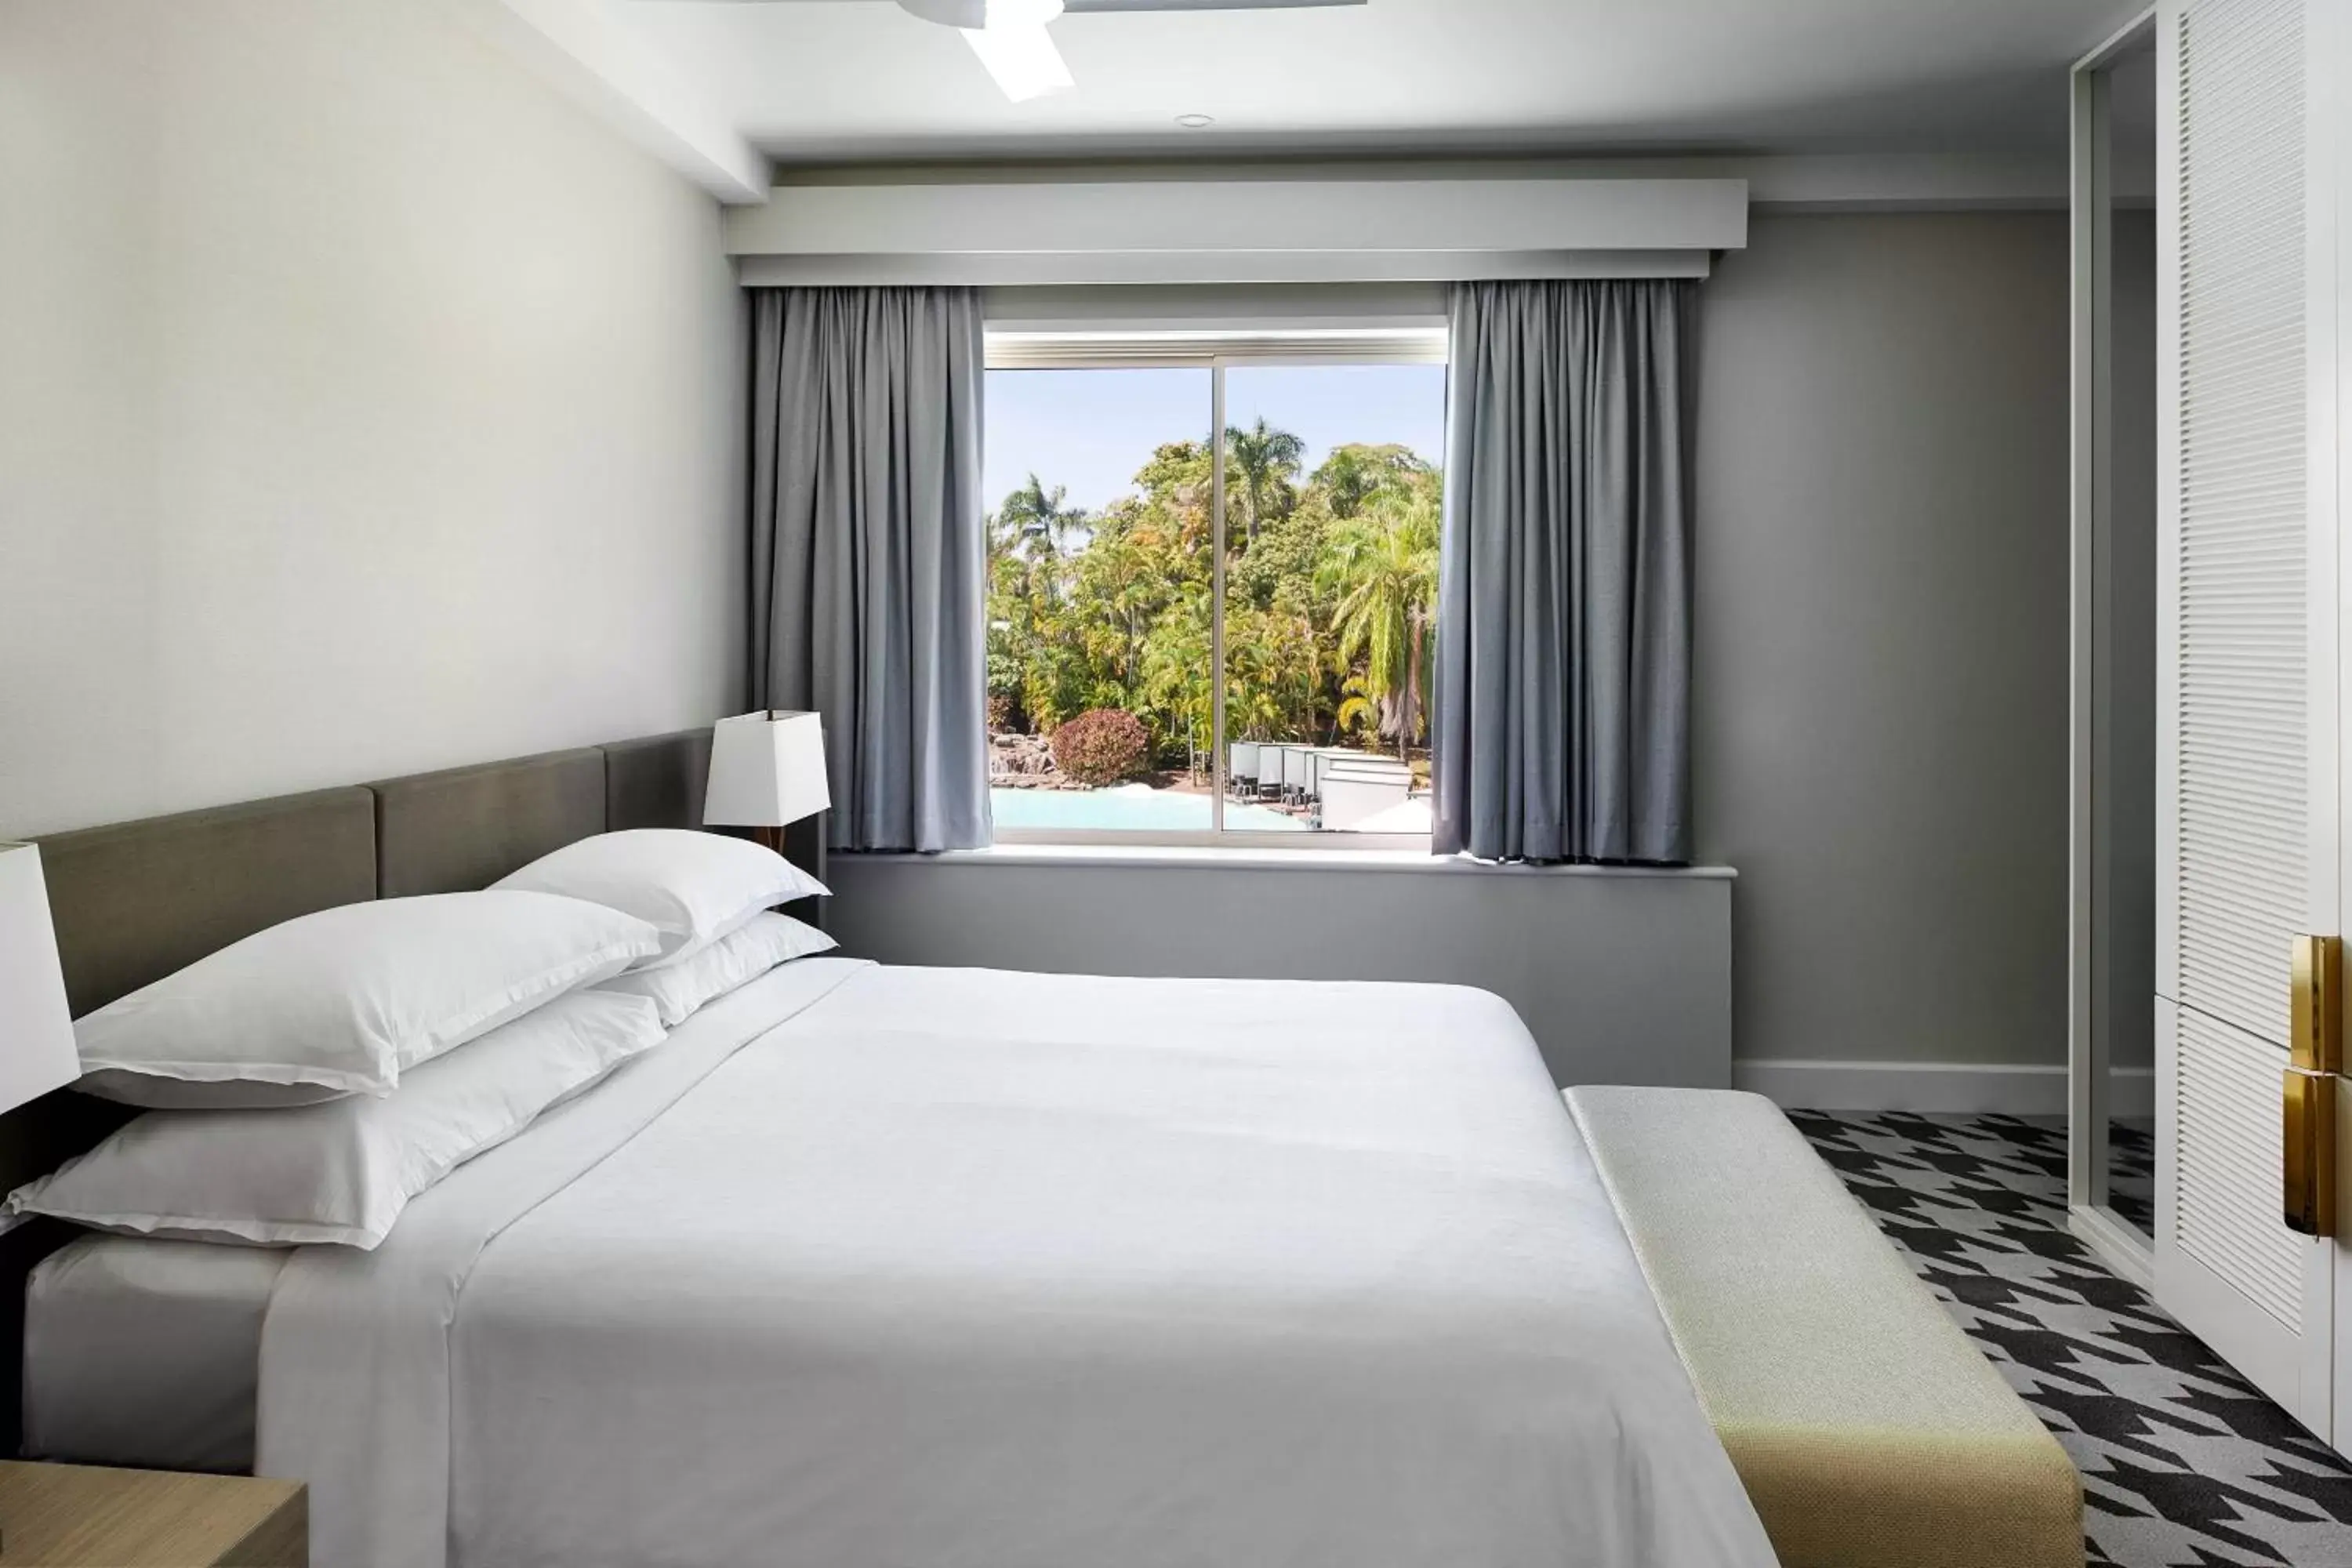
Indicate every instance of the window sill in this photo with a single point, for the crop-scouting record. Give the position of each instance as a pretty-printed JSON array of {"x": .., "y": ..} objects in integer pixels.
[{"x": 1222, "y": 857}]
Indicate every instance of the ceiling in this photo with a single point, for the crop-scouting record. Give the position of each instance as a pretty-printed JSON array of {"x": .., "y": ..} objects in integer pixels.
[{"x": 850, "y": 81}]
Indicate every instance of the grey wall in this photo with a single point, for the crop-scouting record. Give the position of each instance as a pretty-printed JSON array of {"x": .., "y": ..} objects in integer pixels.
[
  {"x": 364, "y": 406},
  {"x": 1620, "y": 977},
  {"x": 1881, "y": 722},
  {"x": 1881, "y": 676}
]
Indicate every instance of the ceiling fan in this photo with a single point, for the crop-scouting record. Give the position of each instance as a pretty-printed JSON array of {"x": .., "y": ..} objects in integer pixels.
[{"x": 1009, "y": 36}]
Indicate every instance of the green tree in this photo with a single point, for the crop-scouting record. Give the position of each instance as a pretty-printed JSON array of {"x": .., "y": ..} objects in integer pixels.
[
  {"x": 1272, "y": 674},
  {"x": 1328, "y": 610},
  {"x": 1032, "y": 522},
  {"x": 1383, "y": 567},
  {"x": 1175, "y": 677},
  {"x": 1137, "y": 563},
  {"x": 1035, "y": 669},
  {"x": 1265, "y": 461},
  {"x": 1354, "y": 474}
]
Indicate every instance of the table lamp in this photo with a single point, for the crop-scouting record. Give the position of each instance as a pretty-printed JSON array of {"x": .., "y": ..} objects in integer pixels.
[
  {"x": 767, "y": 771},
  {"x": 36, "y": 1036}
]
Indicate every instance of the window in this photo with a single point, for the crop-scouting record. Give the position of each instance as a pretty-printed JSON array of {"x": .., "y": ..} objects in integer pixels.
[{"x": 1196, "y": 637}]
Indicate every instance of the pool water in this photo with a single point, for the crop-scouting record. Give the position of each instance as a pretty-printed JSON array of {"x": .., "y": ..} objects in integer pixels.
[{"x": 1133, "y": 808}]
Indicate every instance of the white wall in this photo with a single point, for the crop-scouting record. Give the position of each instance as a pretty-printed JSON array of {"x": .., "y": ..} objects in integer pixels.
[
  {"x": 1881, "y": 674},
  {"x": 364, "y": 407}
]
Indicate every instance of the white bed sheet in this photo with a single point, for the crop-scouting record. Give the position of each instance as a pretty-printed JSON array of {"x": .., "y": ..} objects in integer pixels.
[
  {"x": 917, "y": 1266},
  {"x": 146, "y": 1354}
]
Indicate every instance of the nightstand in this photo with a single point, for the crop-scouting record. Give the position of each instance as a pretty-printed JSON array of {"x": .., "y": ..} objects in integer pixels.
[{"x": 52, "y": 1515}]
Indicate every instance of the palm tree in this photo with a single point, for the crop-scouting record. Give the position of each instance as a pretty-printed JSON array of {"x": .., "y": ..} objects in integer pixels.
[
  {"x": 1175, "y": 669},
  {"x": 1271, "y": 673},
  {"x": 1026, "y": 572},
  {"x": 1262, "y": 458},
  {"x": 1353, "y": 474},
  {"x": 1357, "y": 708},
  {"x": 1383, "y": 567},
  {"x": 1034, "y": 520}
]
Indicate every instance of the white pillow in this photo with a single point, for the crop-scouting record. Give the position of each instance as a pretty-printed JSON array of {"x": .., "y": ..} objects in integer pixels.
[
  {"x": 736, "y": 959},
  {"x": 343, "y": 1001},
  {"x": 342, "y": 1171},
  {"x": 694, "y": 888}
]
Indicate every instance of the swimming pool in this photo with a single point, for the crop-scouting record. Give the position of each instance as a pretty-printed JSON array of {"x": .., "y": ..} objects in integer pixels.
[{"x": 1133, "y": 808}]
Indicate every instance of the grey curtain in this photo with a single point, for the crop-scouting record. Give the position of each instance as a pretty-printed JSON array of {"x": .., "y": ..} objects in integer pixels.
[
  {"x": 1561, "y": 723},
  {"x": 868, "y": 558}
]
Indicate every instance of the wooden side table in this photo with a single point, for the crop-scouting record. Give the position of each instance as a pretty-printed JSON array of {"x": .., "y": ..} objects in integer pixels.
[{"x": 55, "y": 1515}]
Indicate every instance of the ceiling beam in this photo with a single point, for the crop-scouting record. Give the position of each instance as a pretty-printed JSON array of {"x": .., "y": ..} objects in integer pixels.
[
  {"x": 1799, "y": 182},
  {"x": 1239, "y": 231}
]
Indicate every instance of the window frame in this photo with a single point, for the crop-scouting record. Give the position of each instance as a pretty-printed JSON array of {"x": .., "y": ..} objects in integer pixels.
[{"x": 1216, "y": 351}]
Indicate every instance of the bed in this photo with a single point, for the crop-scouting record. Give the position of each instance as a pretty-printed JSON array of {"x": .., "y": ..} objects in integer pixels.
[{"x": 874, "y": 1264}]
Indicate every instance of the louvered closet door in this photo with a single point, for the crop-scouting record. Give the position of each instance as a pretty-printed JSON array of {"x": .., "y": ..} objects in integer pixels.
[{"x": 2247, "y": 749}]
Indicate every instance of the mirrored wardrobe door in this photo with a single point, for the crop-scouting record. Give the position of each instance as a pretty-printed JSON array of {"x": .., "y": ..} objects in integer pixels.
[{"x": 2115, "y": 678}]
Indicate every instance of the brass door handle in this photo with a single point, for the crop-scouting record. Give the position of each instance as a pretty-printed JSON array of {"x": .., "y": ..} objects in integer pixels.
[
  {"x": 2310, "y": 1164},
  {"x": 2307, "y": 1089}
]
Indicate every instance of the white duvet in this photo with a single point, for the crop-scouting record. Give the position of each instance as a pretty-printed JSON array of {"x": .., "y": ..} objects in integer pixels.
[{"x": 932, "y": 1267}]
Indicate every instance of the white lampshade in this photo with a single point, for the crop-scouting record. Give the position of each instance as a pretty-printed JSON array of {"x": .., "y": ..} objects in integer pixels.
[
  {"x": 766, "y": 770},
  {"x": 36, "y": 1038}
]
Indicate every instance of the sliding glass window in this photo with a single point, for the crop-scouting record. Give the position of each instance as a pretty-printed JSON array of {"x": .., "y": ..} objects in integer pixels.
[{"x": 1213, "y": 585}]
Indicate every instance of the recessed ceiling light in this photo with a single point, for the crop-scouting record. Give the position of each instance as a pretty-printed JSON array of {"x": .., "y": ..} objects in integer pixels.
[{"x": 1196, "y": 122}]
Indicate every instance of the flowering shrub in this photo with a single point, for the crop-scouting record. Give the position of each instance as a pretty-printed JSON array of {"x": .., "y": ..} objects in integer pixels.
[{"x": 1102, "y": 747}]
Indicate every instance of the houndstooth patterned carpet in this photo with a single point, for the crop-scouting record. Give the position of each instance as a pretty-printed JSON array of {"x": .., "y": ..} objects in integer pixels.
[{"x": 2184, "y": 1465}]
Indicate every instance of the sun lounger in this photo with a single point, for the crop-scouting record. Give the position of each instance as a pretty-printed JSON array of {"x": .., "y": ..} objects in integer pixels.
[
  {"x": 1352, "y": 792},
  {"x": 1297, "y": 771},
  {"x": 1270, "y": 768}
]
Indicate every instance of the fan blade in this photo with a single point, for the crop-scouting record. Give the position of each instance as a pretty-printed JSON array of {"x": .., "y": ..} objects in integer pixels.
[
  {"x": 984, "y": 12},
  {"x": 949, "y": 13},
  {"x": 1023, "y": 60}
]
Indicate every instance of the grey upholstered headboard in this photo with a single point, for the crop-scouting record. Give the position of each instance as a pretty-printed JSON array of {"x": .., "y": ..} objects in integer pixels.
[
  {"x": 134, "y": 901},
  {"x": 656, "y": 782},
  {"x": 455, "y": 831},
  {"x": 463, "y": 828}
]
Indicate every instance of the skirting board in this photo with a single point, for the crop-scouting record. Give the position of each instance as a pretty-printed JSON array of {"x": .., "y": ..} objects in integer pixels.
[
  {"x": 2118, "y": 1245},
  {"x": 2015, "y": 1089}
]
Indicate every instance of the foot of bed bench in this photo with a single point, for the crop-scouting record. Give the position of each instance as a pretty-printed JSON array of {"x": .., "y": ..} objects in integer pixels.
[{"x": 1869, "y": 1431}]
